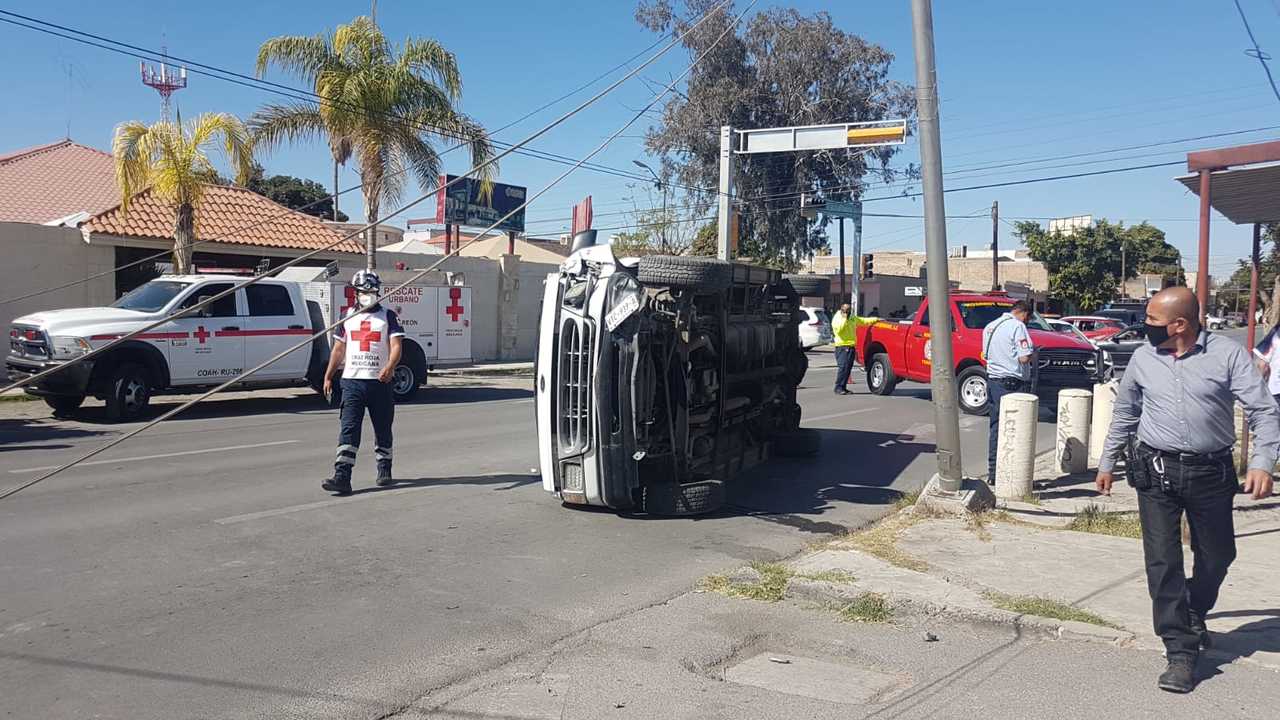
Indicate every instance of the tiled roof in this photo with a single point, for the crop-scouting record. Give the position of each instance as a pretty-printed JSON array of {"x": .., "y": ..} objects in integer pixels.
[
  {"x": 226, "y": 215},
  {"x": 50, "y": 182}
]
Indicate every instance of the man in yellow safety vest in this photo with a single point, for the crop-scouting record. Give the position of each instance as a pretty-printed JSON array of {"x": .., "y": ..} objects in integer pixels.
[{"x": 844, "y": 330}]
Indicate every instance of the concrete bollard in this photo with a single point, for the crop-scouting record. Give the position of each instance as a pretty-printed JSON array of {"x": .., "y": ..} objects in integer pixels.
[
  {"x": 1104, "y": 401},
  {"x": 1016, "y": 450},
  {"x": 1072, "y": 449}
]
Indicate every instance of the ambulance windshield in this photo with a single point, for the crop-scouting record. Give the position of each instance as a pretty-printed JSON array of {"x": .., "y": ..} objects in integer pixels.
[{"x": 152, "y": 296}]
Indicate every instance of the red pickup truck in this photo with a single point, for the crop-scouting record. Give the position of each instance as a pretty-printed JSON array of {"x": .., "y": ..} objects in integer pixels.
[{"x": 893, "y": 351}]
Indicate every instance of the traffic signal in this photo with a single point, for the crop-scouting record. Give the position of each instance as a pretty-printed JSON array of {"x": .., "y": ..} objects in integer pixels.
[{"x": 868, "y": 265}]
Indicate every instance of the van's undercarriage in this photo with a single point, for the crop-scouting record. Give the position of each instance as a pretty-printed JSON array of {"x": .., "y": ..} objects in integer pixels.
[{"x": 669, "y": 376}]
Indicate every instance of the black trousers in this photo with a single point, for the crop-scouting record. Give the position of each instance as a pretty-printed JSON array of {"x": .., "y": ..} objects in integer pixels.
[
  {"x": 1204, "y": 491},
  {"x": 357, "y": 395},
  {"x": 844, "y": 365}
]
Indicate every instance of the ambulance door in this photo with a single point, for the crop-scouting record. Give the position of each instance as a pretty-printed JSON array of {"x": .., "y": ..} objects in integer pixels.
[
  {"x": 415, "y": 306},
  {"x": 273, "y": 326},
  {"x": 454, "y": 313},
  {"x": 213, "y": 350}
]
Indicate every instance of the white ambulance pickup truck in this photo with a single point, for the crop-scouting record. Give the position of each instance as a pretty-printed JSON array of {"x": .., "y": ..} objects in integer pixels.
[{"x": 218, "y": 342}]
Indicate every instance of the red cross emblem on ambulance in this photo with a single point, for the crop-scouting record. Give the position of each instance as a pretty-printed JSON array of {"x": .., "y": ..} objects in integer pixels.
[
  {"x": 454, "y": 309},
  {"x": 201, "y": 334}
]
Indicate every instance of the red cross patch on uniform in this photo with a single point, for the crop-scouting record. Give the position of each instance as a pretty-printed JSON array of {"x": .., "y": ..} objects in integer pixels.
[{"x": 1023, "y": 343}]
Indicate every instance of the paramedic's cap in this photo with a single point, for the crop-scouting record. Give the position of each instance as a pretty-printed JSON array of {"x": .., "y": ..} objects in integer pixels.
[{"x": 366, "y": 280}]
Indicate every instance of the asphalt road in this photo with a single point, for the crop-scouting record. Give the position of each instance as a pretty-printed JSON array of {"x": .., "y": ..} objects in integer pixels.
[{"x": 199, "y": 571}]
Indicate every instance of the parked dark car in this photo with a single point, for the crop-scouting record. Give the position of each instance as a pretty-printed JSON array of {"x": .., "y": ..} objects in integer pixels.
[
  {"x": 1117, "y": 349},
  {"x": 1129, "y": 314}
]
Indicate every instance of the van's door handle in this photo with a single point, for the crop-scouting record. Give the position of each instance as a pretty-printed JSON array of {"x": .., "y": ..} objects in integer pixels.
[
  {"x": 230, "y": 328},
  {"x": 296, "y": 327}
]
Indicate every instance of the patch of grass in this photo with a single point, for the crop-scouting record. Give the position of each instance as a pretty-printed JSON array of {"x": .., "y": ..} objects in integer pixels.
[
  {"x": 868, "y": 607},
  {"x": 772, "y": 586},
  {"x": 906, "y": 500},
  {"x": 977, "y": 524},
  {"x": 838, "y": 577},
  {"x": 1031, "y": 499},
  {"x": 1094, "y": 519},
  {"x": 18, "y": 397},
  {"x": 881, "y": 540},
  {"x": 1045, "y": 607}
]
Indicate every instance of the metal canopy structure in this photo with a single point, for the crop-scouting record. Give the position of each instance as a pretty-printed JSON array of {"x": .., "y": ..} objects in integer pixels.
[
  {"x": 1241, "y": 183},
  {"x": 1244, "y": 195}
]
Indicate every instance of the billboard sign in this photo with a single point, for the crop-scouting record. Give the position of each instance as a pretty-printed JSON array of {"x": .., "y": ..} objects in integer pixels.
[{"x": 462, "y": 204}]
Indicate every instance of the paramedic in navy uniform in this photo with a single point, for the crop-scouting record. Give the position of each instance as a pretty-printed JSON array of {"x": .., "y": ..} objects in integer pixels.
[{"x": 367, "y": 348}]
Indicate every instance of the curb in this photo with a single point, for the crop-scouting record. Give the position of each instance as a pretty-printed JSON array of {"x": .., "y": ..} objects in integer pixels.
[
  {"x": 481, "y": 371},
  {"x": 822, "y": 592}
]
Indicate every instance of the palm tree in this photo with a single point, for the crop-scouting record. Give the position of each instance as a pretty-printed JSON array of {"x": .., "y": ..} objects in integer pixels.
[
  {"x": 379, "y": 104},
  {"x": 171, "y": 159}
]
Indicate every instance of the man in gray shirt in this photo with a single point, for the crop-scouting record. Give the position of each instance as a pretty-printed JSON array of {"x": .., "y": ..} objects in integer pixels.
[{"x": 1179, "y": 394}]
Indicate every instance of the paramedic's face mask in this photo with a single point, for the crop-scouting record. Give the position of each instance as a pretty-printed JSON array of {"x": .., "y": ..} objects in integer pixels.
[{"x": 366, "y": 298}]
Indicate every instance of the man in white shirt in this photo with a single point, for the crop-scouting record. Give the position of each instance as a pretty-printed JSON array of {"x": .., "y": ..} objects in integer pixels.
[
  {"x": 1007, "y": 350},
  {"x": 367, "y": 348}
]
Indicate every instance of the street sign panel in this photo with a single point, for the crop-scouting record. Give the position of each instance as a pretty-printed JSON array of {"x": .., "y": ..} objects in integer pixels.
[
  {"x": 822, "y": 137},
  {"x": 913, "y": 291},
  {"x": 463, "y": 204}
]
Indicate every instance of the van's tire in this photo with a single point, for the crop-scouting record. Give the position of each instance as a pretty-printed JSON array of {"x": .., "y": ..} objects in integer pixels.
[
  {"x": 805, "y": 442},
  {"x": 881, "y": 379},
  {"x": 810, "y": 285},
  {"x": 64, "y": 404},
  {"x": 404, "y": 382},
  {"x": 705, "y": 275},
  {"x": 972, "y": 388},
  {"x": 128, "y": 393},
  {"x": 676, "y": 500}
]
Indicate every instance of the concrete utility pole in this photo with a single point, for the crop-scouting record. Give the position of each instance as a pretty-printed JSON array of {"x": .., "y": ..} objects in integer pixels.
[
  {"x": 995, "y": 245},
  {"x": 945, "y": 402},
  {"x": 855, "y": 262},
  {"x": 855, "y": 295}
]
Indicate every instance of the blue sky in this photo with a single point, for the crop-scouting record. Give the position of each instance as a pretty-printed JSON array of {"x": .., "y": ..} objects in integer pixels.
[{"x": 1019, "y": 80}]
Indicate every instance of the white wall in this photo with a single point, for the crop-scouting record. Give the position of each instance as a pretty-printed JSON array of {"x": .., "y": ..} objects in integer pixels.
[
  {"x": 38, "y": 257},
  {"x": 483, "y": 277}
]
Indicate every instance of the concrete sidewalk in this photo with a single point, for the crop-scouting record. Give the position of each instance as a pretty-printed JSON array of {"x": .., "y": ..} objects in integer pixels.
[{"x": 1028, "y": 560}]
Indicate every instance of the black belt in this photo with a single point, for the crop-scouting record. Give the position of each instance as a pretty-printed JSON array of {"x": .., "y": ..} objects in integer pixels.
[{"x": 1208, "y": 458}]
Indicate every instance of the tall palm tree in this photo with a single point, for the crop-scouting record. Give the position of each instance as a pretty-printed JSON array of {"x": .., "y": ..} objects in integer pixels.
[
  {"x": 379, "y": 104},
  {"x": 172, "y": 160}
]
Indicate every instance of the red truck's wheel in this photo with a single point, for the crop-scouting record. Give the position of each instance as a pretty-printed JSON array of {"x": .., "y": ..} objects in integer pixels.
[
  {"x": 973, "y": 390},
  {"x": 880, "y": 377}
]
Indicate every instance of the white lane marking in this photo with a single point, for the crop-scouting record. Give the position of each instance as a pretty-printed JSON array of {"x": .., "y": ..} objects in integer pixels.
[
  {"x": 140, "y": 458},
  {"x": 839, "y": 414}
]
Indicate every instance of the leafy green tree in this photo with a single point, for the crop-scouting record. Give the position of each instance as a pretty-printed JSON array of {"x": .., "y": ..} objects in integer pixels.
[
  {"x": 306, "y": 196},
  {"x": 1085, "y": 266},
  {"x": 381, "y": 106},
  {"x": 783, "y": 69},
  {"x": 1235, "y": 291}
]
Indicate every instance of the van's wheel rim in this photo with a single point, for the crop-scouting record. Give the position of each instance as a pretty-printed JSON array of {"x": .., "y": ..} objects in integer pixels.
[
  {"x": 877, "y": 375},
  {"x": 402, "y": 380},
  {"x": 135, "y": 395},
  {"x": 974, "y": 392}
]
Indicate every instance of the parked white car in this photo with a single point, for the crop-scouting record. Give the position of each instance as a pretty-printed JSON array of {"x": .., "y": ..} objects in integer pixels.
[
  {"x": 1216, "y": 322},
  {"x": 815, "y": 329}
]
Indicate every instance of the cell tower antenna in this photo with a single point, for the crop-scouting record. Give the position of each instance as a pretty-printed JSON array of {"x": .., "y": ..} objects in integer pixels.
[{"x": 164, "y": 80}]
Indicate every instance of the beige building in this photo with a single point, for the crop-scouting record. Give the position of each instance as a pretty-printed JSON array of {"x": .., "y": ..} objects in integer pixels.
[
  {"x": 387, "y": 234},
  {"x": 971, "y": 271}
]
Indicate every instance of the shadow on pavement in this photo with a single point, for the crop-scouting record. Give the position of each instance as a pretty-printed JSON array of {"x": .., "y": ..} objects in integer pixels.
[
  {"x": 39, "y": 434},
  {"x": 1261, "y": 636},
  {"x": 508, "y": 482}
]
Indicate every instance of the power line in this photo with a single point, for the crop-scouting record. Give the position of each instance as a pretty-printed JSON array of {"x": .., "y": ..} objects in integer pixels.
[
  {"x": 411, "y": 280},
  {"x": 207, "y": 301},
  {"x": 336, "y": 194},
  {"x": 1256, "y": 51}
]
